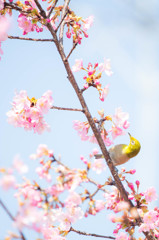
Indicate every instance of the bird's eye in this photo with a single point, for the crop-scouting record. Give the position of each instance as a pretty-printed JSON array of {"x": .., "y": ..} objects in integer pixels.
[{"x": 132, "y": 142}]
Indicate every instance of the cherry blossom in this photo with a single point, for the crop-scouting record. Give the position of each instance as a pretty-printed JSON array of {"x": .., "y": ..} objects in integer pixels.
[
  {"x": 41, "y": 151},
  {"x": 7, "y": 181},
  {"x": 25, "y": 24},
  {"x": 106, "y": 67},
  {"x": 150, "y": 194},
  {"x": 28, "y": 113},
  {"x": 78, "y": 65},
  {"x": 122, "y": 236},
  {"x": 88, "y": 22},
  {"x": 98, "y": 165},
  {"x": 104, "y": 93},
  {"x": 4, "y": 27},
  {"x": 19, "y": 165},
  {"x": 73, "y": 200},
  {"x": 121, "y": 118},
  {"x": 99, "y": 205},
  {"x": 5, "y": 24},
  {"x": 82, "y": 129},
  {"x": 149, "y": 220}
]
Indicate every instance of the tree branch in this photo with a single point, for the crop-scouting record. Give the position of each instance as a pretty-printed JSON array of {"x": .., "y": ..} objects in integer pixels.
[
  {"x": 61, "y": 22},
  {"x": 64, "y": 11},
  {"x": 42, "y": 12},
  {"x": 74, "y": 46},
  {"x": 52, "y": 8},
  {"x": 11, "y": 217},
  {"x": 31, "y": 39},
  {"x": 67, "y": 109},
  {"x": 89, "y": 234}
]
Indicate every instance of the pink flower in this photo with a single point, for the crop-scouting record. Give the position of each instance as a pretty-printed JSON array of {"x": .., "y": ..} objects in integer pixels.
[
  {"x": 45, "y": 102},
  {"x": 149, "y": 220},
  {"x": 32, "y": 195},
  {"x": 78, "y": 65},
  {"x": 82, "y": 129},
  {"x": 43, "y": 173},
  {"x": 100, "y": 205},
  {"x": 51, "y": 233},
  {"x": 122, "y": 236},
  {"x": 150, "y": 194},
  {"x": 25, "y": 24},
  {"x": 104, "y": 93},
  {"x": 73, "y": 200},
  {"x": 121, "y": 206},
  {"x": 121, "y": 118},
  {"x": 19, "y": 165},
  {"x": 43, "y": 150},
  {"x": 7, "y": 181},
  {"x": 111, "y": 198},
  {"x": 54, "y": 190},
  {"x": 116, "y": 131},
  {"x": 132, "y": 171},
  {"x": 29, "y": 216},
  {"x": 4, "y": 26},
  {"x": 98, "y": 166},
  {"x": 105, "y": 67},
  {"x": 88, "y": 22},
  {"x": 95, "y": 151},
  {"x": 86, "y": 85},
  {"x": 1, "y": 4},
  {"x": 74, "y": 214}
]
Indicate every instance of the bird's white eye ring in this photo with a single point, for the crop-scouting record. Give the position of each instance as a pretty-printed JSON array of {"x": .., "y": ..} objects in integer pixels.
[{"x": 132, "y": 142}]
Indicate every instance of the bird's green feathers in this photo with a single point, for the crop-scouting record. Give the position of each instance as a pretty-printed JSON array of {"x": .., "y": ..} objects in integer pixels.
[{"x": 133, "y": 148}]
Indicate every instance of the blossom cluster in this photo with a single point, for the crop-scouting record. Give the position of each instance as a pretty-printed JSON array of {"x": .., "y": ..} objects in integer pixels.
[
  {"x": 127, "y": 221},
  {"x": 51, "y": 209},
  {"x": 94, "y": 73},
  {"x": 28, "y": 113},
  {"x": 119, "y": 123},
  {"x": 4, "y": 27},
  {"x": 76, "y": 26}
]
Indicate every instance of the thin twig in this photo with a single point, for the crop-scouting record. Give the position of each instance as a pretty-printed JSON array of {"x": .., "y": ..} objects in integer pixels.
[
  {"x": 52, "y": 8},
  {"x": 89, "y": 234},
  {"x": 67, "y": 109},
  {"x": 31, "y": 39},
  {"x": 61, "y": 21},
  {"x": 11, "y": 217},
  {"x": 65, "y": 7},
  {"x": 74, "y": 46},
  {"x": 6, "y": 210},
  {"x": 15, "y": 7}
]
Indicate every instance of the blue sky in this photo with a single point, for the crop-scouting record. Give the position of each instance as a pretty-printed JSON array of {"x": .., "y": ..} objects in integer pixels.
[{"x": 125, "y": 32}]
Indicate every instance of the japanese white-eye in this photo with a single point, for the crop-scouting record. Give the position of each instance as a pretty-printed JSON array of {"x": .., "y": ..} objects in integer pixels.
[{"x": 121, "y": 153}]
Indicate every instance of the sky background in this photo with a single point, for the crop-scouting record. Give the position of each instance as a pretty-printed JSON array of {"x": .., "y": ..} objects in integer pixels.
[{"x": 126, "y": 32}]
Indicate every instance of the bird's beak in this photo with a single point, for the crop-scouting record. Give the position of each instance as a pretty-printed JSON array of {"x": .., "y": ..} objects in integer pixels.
[{"x": 129, "y": 134}]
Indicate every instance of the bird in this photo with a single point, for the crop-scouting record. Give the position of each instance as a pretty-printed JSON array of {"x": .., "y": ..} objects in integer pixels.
[{"x": 122, "y": 153}]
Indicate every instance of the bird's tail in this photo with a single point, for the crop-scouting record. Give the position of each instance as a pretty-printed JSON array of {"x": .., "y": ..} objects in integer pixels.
[{"x": 97, "y": 156}]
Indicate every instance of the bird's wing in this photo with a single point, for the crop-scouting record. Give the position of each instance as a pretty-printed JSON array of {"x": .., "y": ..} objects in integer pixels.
[{"x": 117, "y": 155}]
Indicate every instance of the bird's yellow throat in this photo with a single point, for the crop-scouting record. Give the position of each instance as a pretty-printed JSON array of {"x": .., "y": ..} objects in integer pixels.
[{"x": 133, "y": 148}]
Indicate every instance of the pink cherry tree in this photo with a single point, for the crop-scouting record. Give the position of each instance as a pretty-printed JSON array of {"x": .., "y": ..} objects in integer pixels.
[{"x": 51, "y": 209}]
